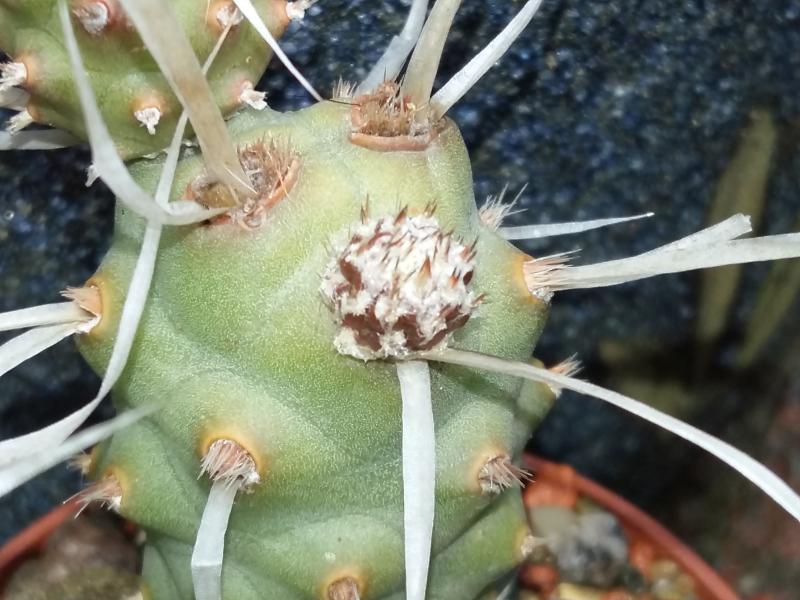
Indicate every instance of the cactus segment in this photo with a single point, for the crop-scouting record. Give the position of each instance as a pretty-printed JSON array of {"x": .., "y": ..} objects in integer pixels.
[
  {"x": 330, "y": 423},
  {"x": 112, "y": 50},
  {"x": 170, "y": 47},
  {"x": 757, "y": 473}
]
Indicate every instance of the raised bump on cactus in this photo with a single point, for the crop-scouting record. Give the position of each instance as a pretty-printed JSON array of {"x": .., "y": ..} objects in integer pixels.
[
  {"x": 498, "y": 473},
  {"x": 106, "y": 492},
  {"x": 385, "y": 120},
  {"x": 231, "y": 468},
  {"x": 95, "y": 16},
  {"x": 118, "y": 66},
  {"x": 345, "y": 588}
]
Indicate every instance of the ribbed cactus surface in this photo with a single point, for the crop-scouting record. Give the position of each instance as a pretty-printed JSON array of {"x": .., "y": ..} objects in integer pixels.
[
  {"x": 135, "y": 99},
  {"x": 237, "y": 343}
]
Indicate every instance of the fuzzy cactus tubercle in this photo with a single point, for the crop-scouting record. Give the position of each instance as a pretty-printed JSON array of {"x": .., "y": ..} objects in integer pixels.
[{"x": 321, "y": 353}]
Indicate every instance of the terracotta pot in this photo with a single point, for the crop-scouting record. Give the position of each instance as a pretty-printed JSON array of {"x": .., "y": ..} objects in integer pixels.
[
  {"x": 556, "y": 484},
  {"x": 553, "y": 484},
  {"x": 32, "y": 540}
]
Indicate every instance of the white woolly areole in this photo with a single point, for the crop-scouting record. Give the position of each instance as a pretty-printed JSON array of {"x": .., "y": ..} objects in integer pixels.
[
  {"x": 296, "y": 11},
  {"x": 12, "y": 74},
  {"x": 229, "y": 15},
  {"x": 93, "y": 17},
  {"x": 252, "y": 97},
  {"x": 399, "y": 286},
  {"x": 149, "y": 117}
]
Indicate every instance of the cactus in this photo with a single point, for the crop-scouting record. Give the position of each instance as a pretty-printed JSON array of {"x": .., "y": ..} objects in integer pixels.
[
  {"x": 323, "y": 368},
  {"x": 137, "y": 102}
]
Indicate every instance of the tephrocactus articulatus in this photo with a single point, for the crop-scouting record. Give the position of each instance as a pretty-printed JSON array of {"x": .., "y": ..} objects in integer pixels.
[{"x": 316, "y": 341}]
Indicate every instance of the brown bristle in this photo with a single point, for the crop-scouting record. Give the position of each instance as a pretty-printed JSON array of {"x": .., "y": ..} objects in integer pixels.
[
  {"x": 107, "y": 493},
  {"x": 385, "y": 120},
  {"x": 343, "y": 91},
  {"x": 87, "y": 297},
  {"x": 228, "y": 461},
  {"x": 499, "y": 473},
  {"x": 272, "y": 168},
  {"x": 344, "y": 589}
]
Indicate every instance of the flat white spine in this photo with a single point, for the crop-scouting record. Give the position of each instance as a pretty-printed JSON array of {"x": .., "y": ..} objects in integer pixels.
[
  {"x": 209, "y": 546},
  {"x": 251, "y": 14},
  {"x": 27, "y": 345},
  {"x": 530, "y": 232},
  {"x": 419, "y": 473},
  {"x": 38, "y": 460},
  {"x": 37, "y": 139},
  {"x": 757, "y": 473},
  {"x": 46, "y": 314},
  {"x": 391, "y": 62},
  {"x": 18, "y": 448},
  {"x": 467, "y": 77},
  {"x": 167, "y": 42}
]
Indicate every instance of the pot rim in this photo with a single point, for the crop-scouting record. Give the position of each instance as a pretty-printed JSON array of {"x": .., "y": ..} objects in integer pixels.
[{"x": 710, "y": 585}]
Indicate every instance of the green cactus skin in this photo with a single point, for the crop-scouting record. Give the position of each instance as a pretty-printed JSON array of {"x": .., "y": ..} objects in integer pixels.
[
  {"x": 123, "y": 74},
  {"x": 236, "y": 342}
]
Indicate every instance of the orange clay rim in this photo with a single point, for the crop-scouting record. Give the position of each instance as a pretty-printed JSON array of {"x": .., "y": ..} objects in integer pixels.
[
  {"x": 710, "y": 586},
  {"x": 31, "y": 540}
]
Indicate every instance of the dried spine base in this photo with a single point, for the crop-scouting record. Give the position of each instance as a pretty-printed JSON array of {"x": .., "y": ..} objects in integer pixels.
[
  {"x": 232, "y": 469},
  {"x": 272, "y": 170},
  {"x": 384, "y": 120}
]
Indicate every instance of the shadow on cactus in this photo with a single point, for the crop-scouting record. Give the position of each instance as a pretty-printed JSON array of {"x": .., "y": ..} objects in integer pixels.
[{"x": 317, "y": 343}]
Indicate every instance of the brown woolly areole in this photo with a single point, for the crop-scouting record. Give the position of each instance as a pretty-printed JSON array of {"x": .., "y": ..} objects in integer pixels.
[
  {"x": 228, "y": 461},
  {"x": 399, "y": 286},
  {"x": 273, "y": 170},
  {"x": 107, "y": 492},
  {"x": 499, "y": 473},
  {"x": 96, "y": 16},
  {"x": 386, "y": 121},
  {"x": 90, "y": 299},
  {"x": 220, "y": 13},
  {"x": 343, "y": 589}
]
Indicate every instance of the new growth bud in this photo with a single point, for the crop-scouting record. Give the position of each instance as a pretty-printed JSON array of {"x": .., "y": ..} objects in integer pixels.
[{"x": 399, "y": 286}]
